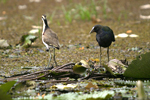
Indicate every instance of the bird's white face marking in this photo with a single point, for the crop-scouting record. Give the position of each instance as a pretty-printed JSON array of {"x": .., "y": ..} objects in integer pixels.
[{"x": 43, "y": 18}]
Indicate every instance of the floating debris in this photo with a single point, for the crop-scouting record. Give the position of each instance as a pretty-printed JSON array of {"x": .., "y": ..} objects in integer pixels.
[
  {"x": 33, "y": 31},
  {"x": 145, "y": 11},
  {"x": 38, "y": 27},
  {"x": 61, "y": 87},
  {"x": 133, "y": 35},
  {"x": 58, "y": 0},
  {"x": 146, "y": 6},
  {"x": 144, "y": 17},
  {"x": 21, "y": 7},
  {"x": 91, "y": 85},
  {"x": 3, "y": 43},
  {"x": 2, "y": 18},
  {"x": 34, "y": 0},
  {"x": 28, "y": 17},
  {"x": 117, "y": 66},
  {"x": 122, "y": 35},
  {"x": 129, "y": 31}
]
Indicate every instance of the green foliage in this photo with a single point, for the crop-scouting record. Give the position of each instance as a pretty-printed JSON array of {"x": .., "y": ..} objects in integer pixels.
[
  {"x": 3, "y": 1},
  {"x": 80, "y": 11},
  {"x": 83, "y": 12},
  {"x": 105, "y": 9},
  {"x": 140, "y": 67},
  {"x": 4, "y": 89},
  {"x": 67, "y": 14},
  {"x": 51, "y": 17},
  {"x": 78, "y": 69},
  {"x": 27, "y": 40}
]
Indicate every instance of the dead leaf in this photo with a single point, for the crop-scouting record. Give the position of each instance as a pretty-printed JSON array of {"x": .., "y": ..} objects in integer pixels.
[{"x": 90, "y": 85}]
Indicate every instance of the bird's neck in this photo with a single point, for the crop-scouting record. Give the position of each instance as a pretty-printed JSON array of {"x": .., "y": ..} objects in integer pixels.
[{"x": 45, "y": 26}]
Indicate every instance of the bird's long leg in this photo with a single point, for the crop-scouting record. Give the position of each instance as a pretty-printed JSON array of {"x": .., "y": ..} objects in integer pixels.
[
  {"x": 108, "y": 53},
  {"x": 49, "y": 58},
  {"x": 54, "y": 57},
  {"x": 100, "y": 56}
]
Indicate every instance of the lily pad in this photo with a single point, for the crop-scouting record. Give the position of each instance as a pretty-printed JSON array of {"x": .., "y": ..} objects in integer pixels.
[{"x": 140, "y": 67}]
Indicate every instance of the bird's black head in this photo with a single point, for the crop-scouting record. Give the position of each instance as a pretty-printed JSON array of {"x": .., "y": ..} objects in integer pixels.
[{"x": 95, "y": 28}]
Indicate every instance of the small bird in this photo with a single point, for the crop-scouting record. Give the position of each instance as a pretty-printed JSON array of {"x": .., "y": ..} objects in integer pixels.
[
  {"x": 49, "y": 39},
  {"x": 104, "y": 37}
]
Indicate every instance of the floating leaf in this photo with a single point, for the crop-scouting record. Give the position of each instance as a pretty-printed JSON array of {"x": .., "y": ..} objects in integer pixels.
[
  {"x": 140, "y": 67},
  {"x": 90, "y": 85},
  {"x": 80, "y": 67},
  {"x": 85, "y": 64},
  {"x": 68, "y": 86},
  {"x": 109, "y": 70},
  {"x": 3, "y": 43},
  {"x": 117, "y": 66},
  {"x": 4, "y": 89},
  {"x": 133, "y": 35},
  {"x": 33, "y": 31},
  {"x": 27, "y": 40},
  {"x": 122, "y": 35},
  {"x": 129, "y": 31}
]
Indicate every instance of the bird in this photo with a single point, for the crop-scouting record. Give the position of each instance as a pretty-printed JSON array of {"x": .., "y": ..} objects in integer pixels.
[
  {"x": 49, "y": 39},
  {"x": 104, "y": 37}
]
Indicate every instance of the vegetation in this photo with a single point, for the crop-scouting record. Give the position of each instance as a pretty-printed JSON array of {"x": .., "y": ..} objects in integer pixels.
[{"x": 72, "y": 20}]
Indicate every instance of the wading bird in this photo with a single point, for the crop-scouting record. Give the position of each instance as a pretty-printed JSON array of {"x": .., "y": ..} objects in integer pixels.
[
  {"x": 104, "y": 37},
  {"x": 49, "y": 39}
]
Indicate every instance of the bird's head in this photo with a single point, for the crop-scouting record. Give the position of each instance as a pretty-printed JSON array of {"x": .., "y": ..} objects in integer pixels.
[
  {"x": 95, "y": 28},
  {"x": 43, "y": 17}
]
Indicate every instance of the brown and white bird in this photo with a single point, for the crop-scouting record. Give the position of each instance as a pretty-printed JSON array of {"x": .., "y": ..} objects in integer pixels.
[{"x": 49, "y": 39}]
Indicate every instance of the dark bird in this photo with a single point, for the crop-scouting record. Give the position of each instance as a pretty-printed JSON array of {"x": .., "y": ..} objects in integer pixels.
[
  {"x": 49, "y": 39},
  {"x": 104, "y": 37}
]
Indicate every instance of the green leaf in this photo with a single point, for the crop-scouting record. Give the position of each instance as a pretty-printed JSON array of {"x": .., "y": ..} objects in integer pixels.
[
  {"x": 78, "y": 69},
  {"x": 140, "y": 67},
  {"x": 4, "y": 89},
  {"x": 27, "y": 40}
]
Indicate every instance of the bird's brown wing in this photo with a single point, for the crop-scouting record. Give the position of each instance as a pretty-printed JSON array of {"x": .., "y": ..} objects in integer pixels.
[{"x": 51, "y": 38}]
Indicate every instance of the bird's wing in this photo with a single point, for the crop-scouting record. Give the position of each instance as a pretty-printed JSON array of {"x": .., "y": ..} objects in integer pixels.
[
  {"x": 51, "y": 38},
  {"x": 110, "y": 31}
]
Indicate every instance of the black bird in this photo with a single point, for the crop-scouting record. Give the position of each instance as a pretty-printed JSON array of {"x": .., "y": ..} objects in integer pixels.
[
  {"x": 49, "y": 39},
  {"x": 104, "y": 37}
]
